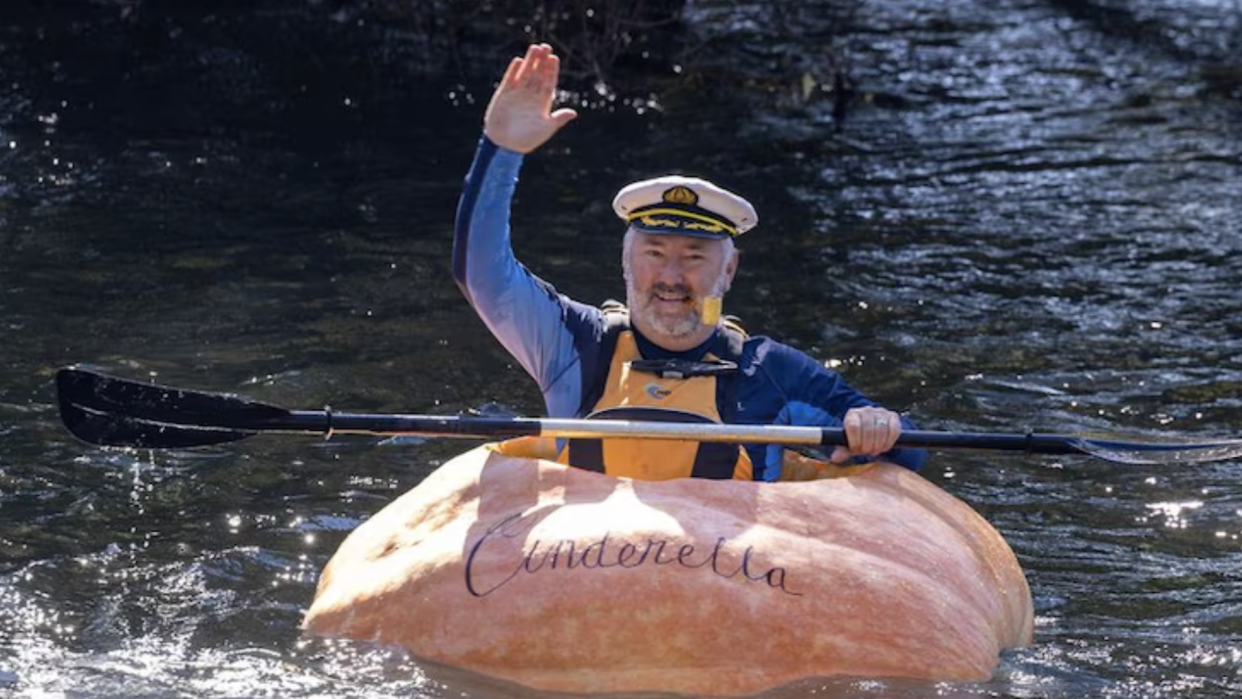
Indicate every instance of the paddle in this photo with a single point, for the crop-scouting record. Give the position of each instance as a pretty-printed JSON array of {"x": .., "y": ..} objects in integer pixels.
[{"x": 116, "y": 412}]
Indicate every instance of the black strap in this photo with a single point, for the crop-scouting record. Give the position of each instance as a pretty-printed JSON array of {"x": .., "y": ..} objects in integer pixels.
[
  {"x": 616, "y": 321},
  {"x": 683, "y": 368}
]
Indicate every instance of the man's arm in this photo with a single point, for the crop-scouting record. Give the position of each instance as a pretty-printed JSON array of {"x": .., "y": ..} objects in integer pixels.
[
  {"x": 534, "y": 323},
  {"x": 526, "y": 314},
  {"x": 816, "y": 396}
]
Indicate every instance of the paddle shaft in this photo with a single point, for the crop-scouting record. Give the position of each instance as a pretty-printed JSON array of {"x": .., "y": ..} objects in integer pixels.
[
  {"x": 110, "y": 411},
  {"x": 328, "y": 423}
]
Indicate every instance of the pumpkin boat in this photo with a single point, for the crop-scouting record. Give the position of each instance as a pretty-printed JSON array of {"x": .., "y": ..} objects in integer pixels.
[
  {"x": 560, "y": 579},
  {"x": 508, "y": 564}
]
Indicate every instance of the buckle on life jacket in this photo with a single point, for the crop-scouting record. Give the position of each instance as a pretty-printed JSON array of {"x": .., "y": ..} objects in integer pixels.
[{"x": 683, "y": 368}]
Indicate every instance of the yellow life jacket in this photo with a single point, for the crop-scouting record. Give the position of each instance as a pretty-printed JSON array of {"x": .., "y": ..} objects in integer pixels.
[{"x": 659, "y": 390}]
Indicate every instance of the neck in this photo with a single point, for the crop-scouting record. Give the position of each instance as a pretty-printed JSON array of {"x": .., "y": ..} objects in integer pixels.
[{"x": 679, "y": 343}]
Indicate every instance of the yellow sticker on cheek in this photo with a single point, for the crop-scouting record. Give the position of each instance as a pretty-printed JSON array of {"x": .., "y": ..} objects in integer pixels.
[{"x": 712, "y": 306}]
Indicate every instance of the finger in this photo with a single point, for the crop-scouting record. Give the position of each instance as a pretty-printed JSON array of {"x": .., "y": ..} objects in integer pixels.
[
  {"x": 867, "y": 439},
  {"x": 853, "y": 430},
  {"x": 529, "y": 66},
  {"x": 551, "y": 75},
  {"x": 879, "y": 432},
  {"x": 841, "y": 455},
  {"x": 511, "y": 73},
  {"x": 867, "y": 428},
  {"x": 894, "y": 431},
  {"x": 859, "y": 422},
  {"x": 539, "y": 59},
  {"x": 552, "y": 69},
  {"x": 544, "y": 81},
  {"x": 886, "y": 429}
]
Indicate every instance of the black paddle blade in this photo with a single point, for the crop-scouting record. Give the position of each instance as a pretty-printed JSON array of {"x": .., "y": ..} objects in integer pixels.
[
  {"x": 115, "y": 412},
  {"x": 1160, "y": 454}
]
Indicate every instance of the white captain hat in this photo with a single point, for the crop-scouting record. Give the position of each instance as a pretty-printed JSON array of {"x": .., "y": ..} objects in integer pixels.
[{"x": 684, "y": 206}]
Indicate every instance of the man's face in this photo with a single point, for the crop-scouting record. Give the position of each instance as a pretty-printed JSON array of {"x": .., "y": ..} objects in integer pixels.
[{"x": 666, "y": 279}]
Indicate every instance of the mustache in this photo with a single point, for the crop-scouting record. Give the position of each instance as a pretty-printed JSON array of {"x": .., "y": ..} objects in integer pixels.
[{"x": 670, "y": 289}]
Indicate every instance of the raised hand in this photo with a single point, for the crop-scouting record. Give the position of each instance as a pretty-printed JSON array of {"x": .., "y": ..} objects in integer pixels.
[{"x": 519, "y": 117}]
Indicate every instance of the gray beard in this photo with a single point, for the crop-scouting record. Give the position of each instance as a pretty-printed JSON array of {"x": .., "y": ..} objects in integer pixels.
[
  {"x": 679, "y": 328},
  {"x": 682, "y": 327}
]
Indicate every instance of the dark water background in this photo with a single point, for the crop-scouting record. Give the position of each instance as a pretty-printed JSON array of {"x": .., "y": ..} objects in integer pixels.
[{"x": 1028, "y": 218}]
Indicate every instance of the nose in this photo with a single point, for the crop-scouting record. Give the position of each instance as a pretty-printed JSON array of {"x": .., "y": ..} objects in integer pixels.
[{"x": 671, "y": 272}]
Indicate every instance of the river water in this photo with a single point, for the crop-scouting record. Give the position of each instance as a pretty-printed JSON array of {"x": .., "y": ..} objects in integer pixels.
[{"x": 1026, "y": 215}]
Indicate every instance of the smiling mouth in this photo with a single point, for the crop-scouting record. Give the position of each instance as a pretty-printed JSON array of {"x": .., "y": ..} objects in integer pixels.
[
  {"x": 672, "y": 306},
  {"x": 672, "y": 295}
]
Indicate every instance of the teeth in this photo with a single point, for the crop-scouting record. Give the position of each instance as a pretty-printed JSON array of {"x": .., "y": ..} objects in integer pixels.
[{"x": 671, "y": 295}]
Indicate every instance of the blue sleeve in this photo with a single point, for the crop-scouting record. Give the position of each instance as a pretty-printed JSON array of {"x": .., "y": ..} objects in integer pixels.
[
  {"x": 533, "y": 322},
  {"x": 815, "y": 396}
]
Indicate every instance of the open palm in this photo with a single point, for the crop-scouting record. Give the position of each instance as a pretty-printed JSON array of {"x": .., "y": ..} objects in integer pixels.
[{"x": 519, "y": 116}]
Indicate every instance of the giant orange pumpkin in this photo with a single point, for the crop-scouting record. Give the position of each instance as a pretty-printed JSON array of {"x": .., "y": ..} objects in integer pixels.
[{"x": 566, "y": 580}]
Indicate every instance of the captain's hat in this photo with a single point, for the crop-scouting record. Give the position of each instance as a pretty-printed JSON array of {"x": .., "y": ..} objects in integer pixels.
[{"x": 684, "y": 206}]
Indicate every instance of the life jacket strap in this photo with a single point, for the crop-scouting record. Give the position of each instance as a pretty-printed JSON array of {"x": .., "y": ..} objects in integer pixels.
[{"x": 683, "y": 368}]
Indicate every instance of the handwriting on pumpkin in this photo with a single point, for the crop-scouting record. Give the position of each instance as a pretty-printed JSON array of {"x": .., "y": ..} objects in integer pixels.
[{"x": 602, "y": 553}]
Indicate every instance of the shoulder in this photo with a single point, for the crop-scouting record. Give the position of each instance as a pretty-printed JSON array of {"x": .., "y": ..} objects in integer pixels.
[
  {"x": 585, "y": 319},
  {"x": 765, "y": 350},
  {"x": 793, "y": 370}
]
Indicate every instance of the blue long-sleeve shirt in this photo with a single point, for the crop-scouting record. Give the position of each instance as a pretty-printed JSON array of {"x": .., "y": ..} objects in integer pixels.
[{"x": 558, "y": 340}]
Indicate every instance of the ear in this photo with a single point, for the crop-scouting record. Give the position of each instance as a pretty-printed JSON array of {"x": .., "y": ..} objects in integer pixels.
[{"x": 731, "y": 268}]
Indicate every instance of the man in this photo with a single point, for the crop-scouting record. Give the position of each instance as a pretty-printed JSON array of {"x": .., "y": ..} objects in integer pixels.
[{"x": 670, "y": 356}]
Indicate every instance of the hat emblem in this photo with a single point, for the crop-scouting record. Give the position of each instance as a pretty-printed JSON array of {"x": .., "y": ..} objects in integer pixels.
[{"x": 681, "y": 195}]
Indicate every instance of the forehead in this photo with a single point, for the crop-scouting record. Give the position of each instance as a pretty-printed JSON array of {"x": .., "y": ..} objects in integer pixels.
[{"x": 678, "y": 242}]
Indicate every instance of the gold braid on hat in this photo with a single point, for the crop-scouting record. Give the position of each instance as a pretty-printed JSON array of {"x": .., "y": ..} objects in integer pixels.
[{"x": 680, "y": 210}]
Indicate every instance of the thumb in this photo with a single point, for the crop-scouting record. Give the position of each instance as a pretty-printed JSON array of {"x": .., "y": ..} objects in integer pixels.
[
  {"x": 563, "y": 116},
  {"x": 841, "y": 455}
]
